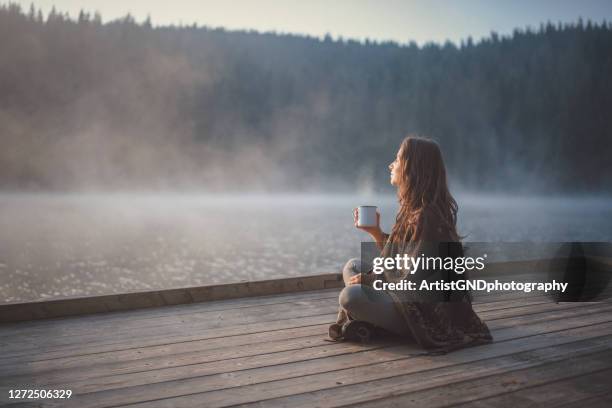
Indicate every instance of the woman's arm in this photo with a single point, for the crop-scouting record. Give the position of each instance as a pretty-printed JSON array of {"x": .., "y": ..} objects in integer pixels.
[{"x": 381, "y": 238}]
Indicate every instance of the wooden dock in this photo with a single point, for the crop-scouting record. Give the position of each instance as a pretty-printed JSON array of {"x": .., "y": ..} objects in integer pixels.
[{"x": 271, "y": 351}]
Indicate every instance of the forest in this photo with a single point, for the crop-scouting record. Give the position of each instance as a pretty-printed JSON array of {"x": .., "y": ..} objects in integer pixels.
[{"x": 125, "y": 105}]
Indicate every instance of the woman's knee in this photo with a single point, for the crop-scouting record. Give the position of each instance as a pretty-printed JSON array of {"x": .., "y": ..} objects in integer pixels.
[
  {"x": 361, "y": 304},
  {"x": 351, "y": 297},
  {"x": 351, "y": 268},
  {"x": 353, "y": 265}
]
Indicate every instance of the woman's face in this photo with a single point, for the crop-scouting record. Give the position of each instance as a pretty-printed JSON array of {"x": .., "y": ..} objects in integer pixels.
[{"x": 394, "y": 167}]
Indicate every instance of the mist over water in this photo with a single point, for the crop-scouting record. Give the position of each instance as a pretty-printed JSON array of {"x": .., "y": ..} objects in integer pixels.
[
  {"x": 88, "y": 106},
  {"x": 54, "y": 245}
]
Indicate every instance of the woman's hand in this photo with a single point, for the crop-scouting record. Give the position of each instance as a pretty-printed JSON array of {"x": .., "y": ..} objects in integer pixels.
[
  {"x": 355, "y": 280},
  {"x": 375, "y": 230},
  {"x": 377, "y": 234}
]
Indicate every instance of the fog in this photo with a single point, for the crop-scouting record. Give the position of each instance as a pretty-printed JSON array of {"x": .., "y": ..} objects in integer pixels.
[
  {"x": 122, "y": 106},
  {"x": 138, "y": 158},
  {"x": 54, "y": 245}
]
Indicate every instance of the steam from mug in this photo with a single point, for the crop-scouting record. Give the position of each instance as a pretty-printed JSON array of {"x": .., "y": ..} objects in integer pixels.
[{"x": 366, "y": 216}]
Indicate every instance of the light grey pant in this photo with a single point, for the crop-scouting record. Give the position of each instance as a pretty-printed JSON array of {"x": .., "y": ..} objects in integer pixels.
[{"x": 369, "y": 305}]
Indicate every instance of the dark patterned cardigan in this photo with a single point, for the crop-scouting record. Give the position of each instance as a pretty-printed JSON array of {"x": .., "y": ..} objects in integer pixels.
[{"x": 438, "y": 320}]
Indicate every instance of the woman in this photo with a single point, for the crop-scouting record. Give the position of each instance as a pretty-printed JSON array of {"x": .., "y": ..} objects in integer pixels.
[{"x": 425, "y": 225}]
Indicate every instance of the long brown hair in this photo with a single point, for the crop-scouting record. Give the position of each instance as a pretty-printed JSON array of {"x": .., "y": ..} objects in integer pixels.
[{"x": 423, "y": 193}]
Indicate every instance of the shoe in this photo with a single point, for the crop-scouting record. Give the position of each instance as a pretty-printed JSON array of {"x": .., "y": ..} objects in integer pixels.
[
  {"x": 356, "y": 330},
  {"x": 335, "y": 329},
  {"x": 343, "y": 316},
  {"x": 335, "y": 332}
]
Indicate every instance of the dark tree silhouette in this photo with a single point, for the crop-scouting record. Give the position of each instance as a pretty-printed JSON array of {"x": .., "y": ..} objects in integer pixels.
[{"x": 119, "y": 105}]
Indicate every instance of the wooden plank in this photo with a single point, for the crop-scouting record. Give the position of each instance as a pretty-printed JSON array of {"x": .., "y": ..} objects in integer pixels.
[
  {"x": 139, "y": 342},
  {"x": 287, "y": 369},
  {"x": 321, "y": 352},
  {"x": 46, "y": 361},
  {"x": 50, "y": 371},
  {"x": 224, "y": 358},
  {"x": 447, "y": 394},
  {"x": 482, "y": 367},
  {"x": 598, "y": 401},
  {"x": 163, "y": 372},
  {"x": 556, "y": 394},
  {"x": 197, "y": 350},
  {"x": 19, "y": 344},
  {"x": 176, "y": 310},
  {"x": 12, "y": 312},
  {"x": 526, "y": 309},
  {"x": 546, "y": 313},
  {"x": 192, "y": 392},
  {"x": 93, "y": 345},
  {"x": 70, "y": 328},
  {"x": 249, "y": 371},
  {"x": 67, "y": 326},
  {"x": 172, "y": 314},
  {"x": 181, "y": 329},
  {"x": 452, "y": 385},
  {"x": 231, "y": 384}
]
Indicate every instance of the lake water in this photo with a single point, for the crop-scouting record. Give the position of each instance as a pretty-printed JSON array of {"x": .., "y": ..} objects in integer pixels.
[{"x": 77, "y": 245}]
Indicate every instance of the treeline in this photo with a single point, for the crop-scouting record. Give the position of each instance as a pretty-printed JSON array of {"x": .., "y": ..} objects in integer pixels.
[{"x": 88, "y": 105}]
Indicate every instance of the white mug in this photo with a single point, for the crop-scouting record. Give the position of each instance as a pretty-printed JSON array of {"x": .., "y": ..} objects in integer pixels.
[{"x": 366, "y": 216}]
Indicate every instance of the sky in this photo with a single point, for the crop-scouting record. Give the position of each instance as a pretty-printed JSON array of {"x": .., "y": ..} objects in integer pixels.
[{"x": 397, "y": 20}]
